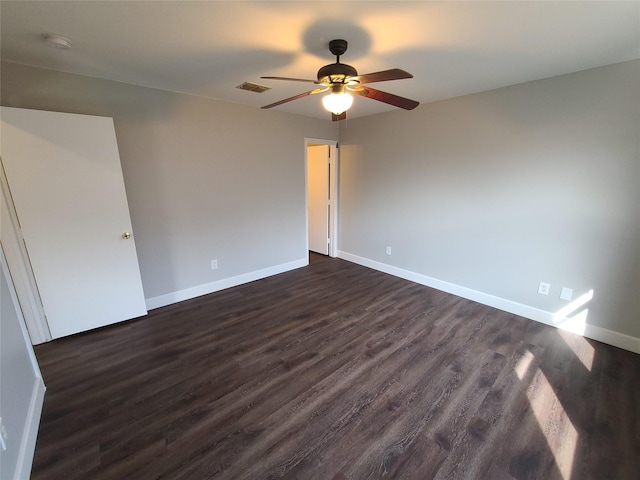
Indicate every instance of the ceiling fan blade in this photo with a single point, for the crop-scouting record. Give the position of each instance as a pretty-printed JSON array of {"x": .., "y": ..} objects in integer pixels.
[
  {"x": 295, "y": 97},
  {"x": 337, "y": 118},
  {"x": 291, "y": 79},
  {"x": 385, "y": 97},
  {"x": 393, "y": 74}
]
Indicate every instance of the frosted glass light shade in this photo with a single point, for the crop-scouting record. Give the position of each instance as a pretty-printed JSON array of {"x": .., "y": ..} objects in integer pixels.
[{"x": 337, "y": 102}]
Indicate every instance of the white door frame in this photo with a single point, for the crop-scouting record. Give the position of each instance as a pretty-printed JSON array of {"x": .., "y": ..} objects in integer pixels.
[
  {"x": 333, "y": 191},
  {"x": 20, "y": 270}
]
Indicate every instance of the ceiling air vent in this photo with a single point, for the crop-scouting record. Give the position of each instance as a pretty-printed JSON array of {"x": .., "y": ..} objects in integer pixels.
[{"x": 252, "y": 87}]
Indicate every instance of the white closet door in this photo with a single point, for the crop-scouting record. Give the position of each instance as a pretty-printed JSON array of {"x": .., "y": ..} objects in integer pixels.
[{"x": 66, "y": 181}]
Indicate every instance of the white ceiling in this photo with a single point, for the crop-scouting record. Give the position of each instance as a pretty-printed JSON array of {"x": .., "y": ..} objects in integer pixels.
[{"x": 206, "y": 48}]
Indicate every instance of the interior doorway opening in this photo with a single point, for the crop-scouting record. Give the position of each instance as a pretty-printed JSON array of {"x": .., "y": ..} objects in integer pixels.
[{"x": 321, "y": 167}]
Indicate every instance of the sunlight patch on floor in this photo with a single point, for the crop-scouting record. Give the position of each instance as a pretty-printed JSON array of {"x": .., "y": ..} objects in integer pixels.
[
  {"x": 581, "y": 348},
  {"x": 522, "y": 367},
  {"x": 561, "y": 435}
]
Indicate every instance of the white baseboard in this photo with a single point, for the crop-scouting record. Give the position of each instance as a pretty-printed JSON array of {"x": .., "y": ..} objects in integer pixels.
[
  {"x": 186, "y": 294},
  {"x": 593, "y": 332},
  {"x": 30, "y": 432}
]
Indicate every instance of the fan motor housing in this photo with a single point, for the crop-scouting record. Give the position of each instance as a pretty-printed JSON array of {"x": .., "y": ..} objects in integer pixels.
[
  {"x": 336, "y": 73},
  {"x": 338, "y": 46}
]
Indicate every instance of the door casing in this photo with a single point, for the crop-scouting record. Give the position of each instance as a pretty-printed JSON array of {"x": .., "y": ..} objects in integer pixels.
[
  {"x": 333, "y": 191},
  {"x": 19, "y": 267}
]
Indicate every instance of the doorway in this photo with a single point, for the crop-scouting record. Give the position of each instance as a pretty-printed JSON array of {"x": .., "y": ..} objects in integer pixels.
[{"x": 321, "y": 162}]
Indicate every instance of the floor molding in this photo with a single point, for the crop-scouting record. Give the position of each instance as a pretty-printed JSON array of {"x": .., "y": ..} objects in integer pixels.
[
  {"x": 593, "y": 332},
  {"x": 188, "y": 293}
]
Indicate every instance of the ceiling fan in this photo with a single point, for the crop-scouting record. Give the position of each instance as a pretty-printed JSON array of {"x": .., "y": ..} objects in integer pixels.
[{"x": 340, "y": 78}]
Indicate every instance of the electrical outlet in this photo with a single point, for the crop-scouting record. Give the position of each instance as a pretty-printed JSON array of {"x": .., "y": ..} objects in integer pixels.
[
  {"x": 214, "y": 264},
  {"x": 388, "y": 251},
  {"x": 566, "y": 293},
  {"x": 543, "y": 288}
]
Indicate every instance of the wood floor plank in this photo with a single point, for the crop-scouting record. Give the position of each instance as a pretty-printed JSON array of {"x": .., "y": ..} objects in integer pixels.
[{"x": 336, "y": 372}]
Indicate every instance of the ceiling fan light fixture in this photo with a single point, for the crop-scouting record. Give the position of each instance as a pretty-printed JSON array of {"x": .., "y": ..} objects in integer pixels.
[
  {"x": 338, "y": 77},
  {"x": 337, "y": 103}
]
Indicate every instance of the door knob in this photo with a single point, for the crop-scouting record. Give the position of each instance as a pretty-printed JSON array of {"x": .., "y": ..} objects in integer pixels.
[{"x": 126, "y": 235}]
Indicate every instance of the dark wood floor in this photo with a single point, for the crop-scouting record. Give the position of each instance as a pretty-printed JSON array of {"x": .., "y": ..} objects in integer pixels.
[{"x": 336, "y": 372}]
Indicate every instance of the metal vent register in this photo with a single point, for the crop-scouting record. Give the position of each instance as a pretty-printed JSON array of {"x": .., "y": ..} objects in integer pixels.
[{"x": 253, "y": 87}]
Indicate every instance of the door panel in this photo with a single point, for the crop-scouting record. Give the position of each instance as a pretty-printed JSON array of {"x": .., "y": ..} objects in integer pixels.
[
  {"x": 318, "y": 197},
  {"x": 66, "y": 182}
]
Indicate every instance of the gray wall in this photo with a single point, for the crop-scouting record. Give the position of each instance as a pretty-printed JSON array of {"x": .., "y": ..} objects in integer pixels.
[
  {"x": 205, "y": 179},
  {"x": 493, "y": 191},
  {"x": 499, "y": 190}
]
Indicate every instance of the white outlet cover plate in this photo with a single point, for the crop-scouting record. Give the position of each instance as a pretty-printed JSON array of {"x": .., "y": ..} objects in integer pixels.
[
  {"x": 566, "y": 293},
  {"x": 543, "y": 288}
]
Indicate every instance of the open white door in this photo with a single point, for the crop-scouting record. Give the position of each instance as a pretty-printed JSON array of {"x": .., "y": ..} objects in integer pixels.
[
  {"x": 318, "y": 197},
  {"x": 65, "y": 178}
]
